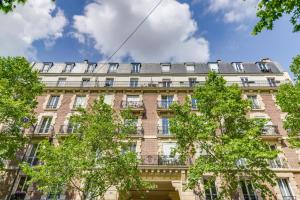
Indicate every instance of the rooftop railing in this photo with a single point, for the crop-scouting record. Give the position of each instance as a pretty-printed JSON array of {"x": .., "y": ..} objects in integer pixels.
[{"x": 154, "y": 84}]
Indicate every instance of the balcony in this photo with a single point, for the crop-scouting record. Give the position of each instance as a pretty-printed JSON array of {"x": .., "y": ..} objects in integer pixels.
[
  {"x": 136, "y": 131},
  {"x": 50, "y": 106},
  {"x": 278, "y": 163},
  {"x": 289, "y": 197},
  {"x": 270, "y": 132},
  {"x": 164, "y": 131},
  {"x": 41, "y": 130},
  {"x": 67, "y": 129},
  {"x": 164, "y": 105},
  {"x": 153, "y": 84},
  {"x": 164, "y": 160},
  {"x": 136, "y": 106}
]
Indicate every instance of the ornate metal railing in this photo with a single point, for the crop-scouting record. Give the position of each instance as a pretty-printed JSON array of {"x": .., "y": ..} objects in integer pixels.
[
  {"x": 164, "y": 104},
  {"x": 278, "y": 163},
  {"x": 270, "y": 130},
  {"x": 154, "y": 84},
  {"x": 289, "y": 197},
  {"x": 160, "y": 160},
  {"x": 39, "y": 129},
  {"x": 132, "y": 104},
  {"x": 67, "y": 129},
  {"x": 163, "y": 130}
]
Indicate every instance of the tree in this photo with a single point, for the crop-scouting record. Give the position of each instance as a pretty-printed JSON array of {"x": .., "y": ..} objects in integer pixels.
[
  {"x": 220, "y": 142},
  {"x": 288, "y": 98},
  {"x": 19, "y": 86},
  {"x": 91, "y": 160},
  {"x": 271, "y": 10},
  {"x": 7, "y": 6}
]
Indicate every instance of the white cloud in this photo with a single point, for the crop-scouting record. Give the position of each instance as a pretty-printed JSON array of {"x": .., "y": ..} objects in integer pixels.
[
  {"x": 168, "y": 34},
  {"x": 36, "y": 20},
  {"x": 234, "y": 10}
]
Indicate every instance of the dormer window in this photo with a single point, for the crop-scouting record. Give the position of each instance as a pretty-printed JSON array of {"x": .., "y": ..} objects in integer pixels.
[
  {"x": 112, "y": 67},
  {"x": 214, "y": 67},
  {"x": 190, "y": 68},
  {"x": 91, "y": 68},
  {"x": 69, "y": 67},
  {"x": 238, "y": 66},
  {"x": 136, "y": 67},
  {"x": 46, "y": 67},
  {"x": 165, "y": 68},
  {"x": 263, "y": 67}
]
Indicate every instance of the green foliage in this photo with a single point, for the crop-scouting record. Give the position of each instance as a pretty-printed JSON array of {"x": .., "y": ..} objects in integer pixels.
[
  {"x": 271, "y": 10},
  {"x": 219, "y": 136},
  {"x": 288, "y": 98},
  {"x": 93, "y": 159},
  {"x": 19, "y": 86},
  {"x": 8, "y": 5}
]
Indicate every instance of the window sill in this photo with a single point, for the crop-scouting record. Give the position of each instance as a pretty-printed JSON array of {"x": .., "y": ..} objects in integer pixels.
[{"x": 51, "y": 109}]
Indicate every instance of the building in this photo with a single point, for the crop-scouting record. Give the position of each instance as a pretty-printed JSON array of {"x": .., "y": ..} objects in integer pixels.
[{"x": 149, "y": 89}]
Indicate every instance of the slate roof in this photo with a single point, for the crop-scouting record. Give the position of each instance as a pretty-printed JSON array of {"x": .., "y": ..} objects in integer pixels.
[{"x": 155, "y": 68}]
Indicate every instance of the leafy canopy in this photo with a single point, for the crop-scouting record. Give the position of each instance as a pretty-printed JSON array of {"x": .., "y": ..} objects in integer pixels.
[
  {"x": 19, "y": 86},
  {"x": 221, "y": 141},
  {"x": 7, "y": 6},
  {"x": 288, "y": 98},
  {"x": 93, "y": 159},
  {"x": 271, "y": 10}
]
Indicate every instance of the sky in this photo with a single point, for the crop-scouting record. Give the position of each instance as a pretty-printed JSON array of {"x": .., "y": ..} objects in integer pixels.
[{"x": 177, "y": 31}]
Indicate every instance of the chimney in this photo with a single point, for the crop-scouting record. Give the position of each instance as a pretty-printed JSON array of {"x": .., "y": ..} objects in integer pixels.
[{"x": 86, "y": 61}]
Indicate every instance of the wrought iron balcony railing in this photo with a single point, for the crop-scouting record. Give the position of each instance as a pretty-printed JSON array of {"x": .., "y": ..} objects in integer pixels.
[
  {"x": 154, "y": 84},
  {"x": 160, "y": 160},
  {"x": 164, "y": 104},
  {"x": 163, "y": 130},
  {"x": 270, "y": 130},
  {"x": 67, "y": 129},
  {"x": 39, "y": 129},
  {"x": 132, "y": 104},
  {"x": 50, "y": 106},
  {"x": 289, "y": 197},
  {"x": 278, "y": 163},
  {"x": 137, "y": 130}
]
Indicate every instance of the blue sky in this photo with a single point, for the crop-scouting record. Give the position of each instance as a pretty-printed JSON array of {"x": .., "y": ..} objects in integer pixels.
[{"x": 190, "y": 30}]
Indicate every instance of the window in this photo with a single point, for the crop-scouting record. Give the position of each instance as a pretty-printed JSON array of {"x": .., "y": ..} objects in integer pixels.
[
  {"x": 32, "y": 157},
  {"x": 263, "y": 67},
  {"x": 112, "y": 68},
  {"x": 254, "y": 101},
  {"x": 166, "y": 82},
  {"x": 272, "y": 82},
  {"x": 214, "y": 67},
  {"x": 245, "y": 81},
  {"x": 165, "y": 68},
  {"x": 69, "y": 67},
  {"x": 80, "y": 101},
  {"x": 168, "y": 148},
  {"x": 136, "y": 67},
  {"x": 190, "y": 68},
  {"x": 46, "y": 67},
  {"x": 210, "y": 190},
  {"x": 134, "y": 82},
  {"x": 238, "y": 67},
  {"x": 285, "y": 189},
  {"x": 91, "y": 68},
  {"x": 192, "y": 82},
  {"x": 45, "y": 125},
  {"x": 85, "y": 82},
  {"x": 61, "y": 82},
  {"x": 248, "y": 191},
  {"x": 132, "y": 147},
  {"x": 109, "y": 82},
  {"x": 194, "y": 103},
  {"x": 165, "y": 126},
  {"x": 166, "y": 101},
  {"x": 53, "y": 101}
]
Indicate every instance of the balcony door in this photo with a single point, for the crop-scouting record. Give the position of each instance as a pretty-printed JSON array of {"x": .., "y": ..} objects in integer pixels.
[
  {"x": 45, "y": 125},
  {"x": 166, "y": 101}
]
